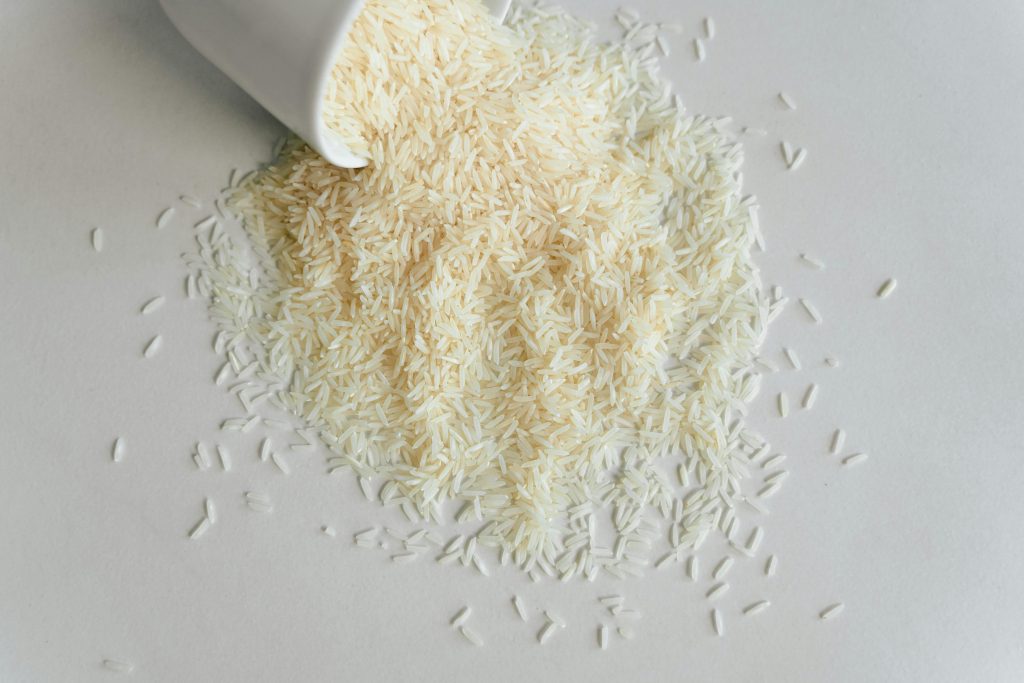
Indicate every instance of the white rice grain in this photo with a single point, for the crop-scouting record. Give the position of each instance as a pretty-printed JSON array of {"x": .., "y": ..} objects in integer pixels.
[
  {"x": 832, "y": 610},
  {"x": 97, "y": 239},
  {"x": 787, "y": 101},
  {"x": 403, "y": 558},
  {"x": 770, "y": 565},
  {"x": 798, "y": 159},
  {"x": 205, "y": 224},
  {"x": 225, "y": 458},
  {"x": 248, "y": 425},
  {"x": 546, "y": 632},
  {"x": 887, "y": 288},
  {"x": 722, "y": 568},
  {"x": 118, "y": 666},
  {"x": 813, "y": 262},
  {"x": 855, "y": 459},
  {"x": 153, "y": 347},
  {"x": 709, "y": 28},
  {"x": 117, "y": 451},
  {"x": 756, "y": 607},
  {"x": 811, "y": 309},
  {"x": 471, "y": 636},
  {"x": 754, "y": 539},
  {"x": 716, "y": 622},
  {"x": 153, "y": 305},
  {"x": 787, "y": 153},
  {"x": 200, "y": 528},
  {"x": 794, "y": 360},
  {"x": 782, "y": 403},
  {"x": 698, "y": 49},
  {"x": 517, "y": 602},
  {"x": 165, "y": 218},
  {"x": 280, "y": 463},
  {"x": 461, "y": 616},
  {"x": 838, "y": 439},
  {"x": 810, "y": 396},
  {"x": 717, "y": 591}
]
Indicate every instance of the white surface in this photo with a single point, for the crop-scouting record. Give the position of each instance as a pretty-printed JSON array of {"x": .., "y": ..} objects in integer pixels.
[{"x": 910, "y": 113}]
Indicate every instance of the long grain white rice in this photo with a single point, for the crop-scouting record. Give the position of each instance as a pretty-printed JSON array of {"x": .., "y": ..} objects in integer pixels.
[
  {"x": 838, "y": 439},
  {"x": 756, "y": 607},
  {"x": 754, "y": 540},
  {"x": 831, "y": 611},
  {"x": 709, "y": 28},
  {"x": 810, "y": 396},
  {"x": 117, "y": 450},
  {"x": 770, "y": 565},
  {"x": 97, "y": 239},
  {"x": 200, "y": 528},
  {"x": 794, "y": 360},
  {"x": 280, "y": 463},
  {"x": 722, "y": 568},
  {"x": 452, "y": 335},
  {"x": 203, "y": 454},
  {"x": 855, "y": 459},
  {"x": 887, "y": 288},
  {"x": 118, "y": 665},
  {"x": 165, "y": 217},
  {"x": 811, "y": 309},
  {"x": 153, "y": 305},
  {"x": 225, "y": 458},
  {"x": 717, "y": 591},
  {"x": 787, "y": 101},
  {"x": 153, "y": 346},
  {"x": 813, "y": 262},
  {"x": 798, "y": 159},
  {"x": 461, "y": 616},
  {"x": 546, "y": 632},
  {"x": 403, "y": 558},
  {"x": 716, "y": 622},
  {"x": 517, "y": 602},
  {"x": 471, "y": 635},
  {"x": 787, "y": 153}
]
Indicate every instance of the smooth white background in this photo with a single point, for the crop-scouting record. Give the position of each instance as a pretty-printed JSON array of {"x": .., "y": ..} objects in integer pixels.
[{"x": 911, "y": 115}]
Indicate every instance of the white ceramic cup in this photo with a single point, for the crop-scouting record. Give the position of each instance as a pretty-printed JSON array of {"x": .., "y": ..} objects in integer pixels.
[{"x": 281, "y": 52}]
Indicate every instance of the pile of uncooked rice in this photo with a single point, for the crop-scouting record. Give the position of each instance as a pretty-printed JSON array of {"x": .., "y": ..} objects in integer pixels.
[{"x": 536, "y": 300}]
